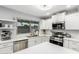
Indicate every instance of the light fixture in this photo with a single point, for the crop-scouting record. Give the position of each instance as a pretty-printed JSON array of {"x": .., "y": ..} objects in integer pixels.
[
  {"x": 44, "y": 7},
  {"x": 47, "y": 13},
  {"x": 68, "y": 6}
]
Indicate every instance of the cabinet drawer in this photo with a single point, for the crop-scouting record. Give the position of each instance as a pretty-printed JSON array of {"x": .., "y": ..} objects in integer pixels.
[
  {"x": 77, "y": 43},
  {"x": 66, "y": 43},
  {"x": 30, "y": 44},
  {"x": 31, "y": 40},
  {"x": 45, "y": 39},
  {"x": 6, "y": 50},
  {"x": 38, "y": 41},
  {"x": 71, "y": 44},
  {"x": 6, "y": 44},
  {"x": 74, "y": 45}
]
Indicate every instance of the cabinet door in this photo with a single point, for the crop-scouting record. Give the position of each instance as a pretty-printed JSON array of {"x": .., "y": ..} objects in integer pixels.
[
  {"x": 38, "y": 41},
  {"x": 66, "y": 43},
  {"x": 31, "y": 43},
  {"x": 77, "y": 46},
  {"x": 46, "y": 24},
  {"x": 42, "y": 24},
  {"x": 74, "y": 45},
  {"x": 72, "y": 21},
  {"x": 45, "y": 39},
  {"x": 6, "y": 50},
  {"x": 61, "y": 17},
  {"x": 42, "y": 39},
  {"x": 54, "y": 18}
]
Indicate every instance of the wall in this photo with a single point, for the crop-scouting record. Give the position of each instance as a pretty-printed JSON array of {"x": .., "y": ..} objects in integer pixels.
[{"x": 6, "y": 13}]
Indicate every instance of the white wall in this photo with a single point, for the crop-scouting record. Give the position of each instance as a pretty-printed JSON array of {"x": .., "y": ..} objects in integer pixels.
[{"x": 6, "y": 13}]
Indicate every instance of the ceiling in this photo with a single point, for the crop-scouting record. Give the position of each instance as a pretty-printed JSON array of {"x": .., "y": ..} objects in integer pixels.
[{"x": 32, "y": 10}]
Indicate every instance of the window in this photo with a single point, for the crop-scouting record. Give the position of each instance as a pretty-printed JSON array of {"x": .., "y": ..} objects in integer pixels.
[{"x": 25, "y": 26}]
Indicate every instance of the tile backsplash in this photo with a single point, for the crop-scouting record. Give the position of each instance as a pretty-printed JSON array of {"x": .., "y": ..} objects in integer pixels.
[
  {"x": 48, "y": 33},
  {"x": 73, "y": 33}
]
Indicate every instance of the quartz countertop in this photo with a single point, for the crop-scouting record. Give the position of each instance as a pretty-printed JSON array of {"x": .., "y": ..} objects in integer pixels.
[
  {"x": 15, "y": 39},
  {"x": 47, "y": 48},
  {"x": 73, "y": 39},
  {"x": 20, "y": 38}
]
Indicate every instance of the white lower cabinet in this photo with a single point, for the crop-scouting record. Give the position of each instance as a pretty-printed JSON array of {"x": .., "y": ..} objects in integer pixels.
[
  {"x": 72, "y": 21},
  {"x": 31, "y": 42},
  {"x": 34, "y": 41},
  {"x": 71, "y": 44},
  {"x": 37, "y": 40},
  {"x": 45, "y": 39},
  {"x": 66, "y": 43},
  {"x": 74, "y": 45},
  {"x": 6, "y": 48}
]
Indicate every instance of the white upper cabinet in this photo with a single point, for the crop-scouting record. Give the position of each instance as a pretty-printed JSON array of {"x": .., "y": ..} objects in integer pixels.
[
  {"x": 54, "y": 18},
  {"x": 42, "y": 24},
  {"x": 61, "y": 17},
  {"x": 72, "y": 21},
  {"x": 46, "y": 24},
  {"x": 66, "y": 43},
  {"x": 58, "y": 17}
]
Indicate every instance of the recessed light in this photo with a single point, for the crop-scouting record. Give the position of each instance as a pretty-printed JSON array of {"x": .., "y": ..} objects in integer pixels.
[
  {"x": 47, "y": 13},
  {"x": 68, "y": 6},
  {"x": 44, "y": 7}
]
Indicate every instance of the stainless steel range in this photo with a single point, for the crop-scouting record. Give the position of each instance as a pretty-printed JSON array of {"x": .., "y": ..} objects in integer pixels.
[{"x": 57, "y": 38}]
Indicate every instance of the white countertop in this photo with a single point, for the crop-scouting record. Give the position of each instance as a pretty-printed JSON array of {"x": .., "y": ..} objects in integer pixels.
[
  {"x": 73, "y": 39},
  {"x": 20, "y": 38},
  {"x": 47, "y": 48},
  {"x": 16, "y": 39}
]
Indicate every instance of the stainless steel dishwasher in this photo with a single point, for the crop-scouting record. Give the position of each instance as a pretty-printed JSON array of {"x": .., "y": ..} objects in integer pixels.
[{"x": 20, "y": 45}]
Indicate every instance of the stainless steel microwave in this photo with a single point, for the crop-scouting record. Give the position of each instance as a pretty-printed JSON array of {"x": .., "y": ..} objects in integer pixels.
[{"x": 59, "y": 25}]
